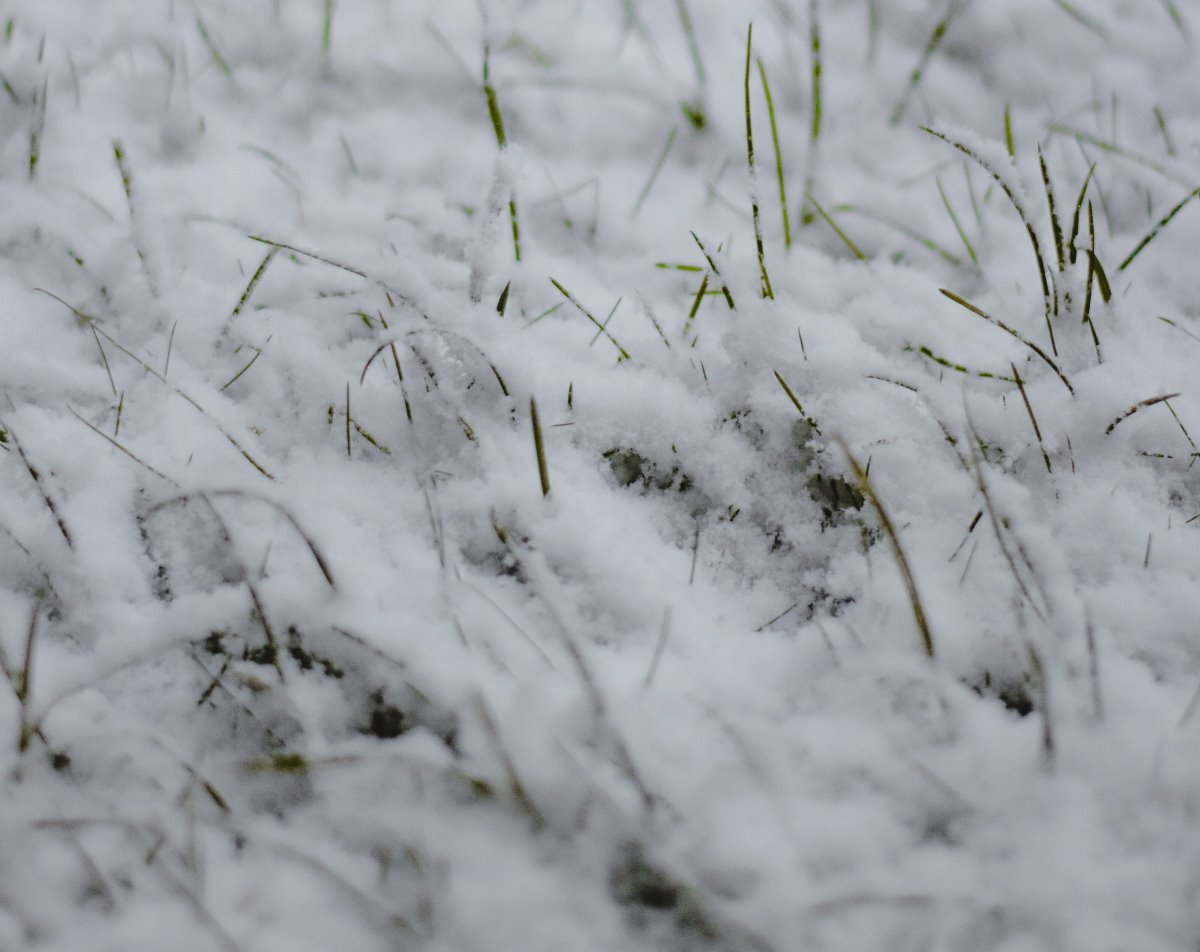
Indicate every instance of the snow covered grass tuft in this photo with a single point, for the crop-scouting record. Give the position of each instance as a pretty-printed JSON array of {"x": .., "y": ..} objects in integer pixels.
[{"x": 845, "y": 598}]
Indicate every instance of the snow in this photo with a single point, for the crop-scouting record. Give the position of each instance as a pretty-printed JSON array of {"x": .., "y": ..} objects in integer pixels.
[{"x": 299, "y": 654}]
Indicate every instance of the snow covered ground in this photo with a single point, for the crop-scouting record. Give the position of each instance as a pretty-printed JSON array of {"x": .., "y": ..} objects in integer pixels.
[{"x": 831, "y": 612}]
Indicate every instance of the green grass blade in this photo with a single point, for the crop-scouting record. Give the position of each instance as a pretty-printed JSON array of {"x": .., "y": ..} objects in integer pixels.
[
  {"x": 834, "y": 225},
  {"x": 962, "y": 234},
  {"x": 783, "y": 204},
  {"x": 1159, "y": 226},
  {"x": 765, "y": 279},
  {"x": 914, "y": 79}
]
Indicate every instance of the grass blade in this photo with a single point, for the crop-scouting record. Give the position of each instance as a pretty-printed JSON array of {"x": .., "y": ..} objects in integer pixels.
[
  {"x": 624, "y": 354},
  {"x": 783, "y": 205},
  {"x": 1140, "y": 405},
  {"x": 962, "y": 234},
  {"x": 935, "y": 39},
  {"x": 1159, "y": 226},
  {"x": 889, "y": 530},
  {"x": 834, "y": 225},
  {"x": 1055, "y": 225},
  {"x": 1013, "y": 332},
  {"x": 766, "y": 290},
  {"x": 715, "y": 272},
  {"x": 539, "y": 448}
]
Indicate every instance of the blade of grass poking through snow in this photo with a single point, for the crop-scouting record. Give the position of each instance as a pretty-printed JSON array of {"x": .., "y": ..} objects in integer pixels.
[
  {"x": 539, "y": 448},
  {"x": 1162, "y": 128},
  {"x": 834, "y": 225},
  {"x": 962, "y": 302},
  {"x": 814, "y": 134},
  {"x": 783, "y": 205},
  {"x": 1081, "y": 18},
  {"x": 1161, "y": 224},
  {"x": 903, "y": 229},
  {"x": 715, "y": 271},
  {"x": 962, "y": 234},
  {"x": 658, "y": 166},
  {"x": 1113, "y": 149},
  {"x": 39, "y": 126},
  {"x": 935, "y": 39},
  {"x": 1176, "y": 17},
  {"x": 183, "y": 396},
  {"x": 1008, "y": 132},
  {"x": 624, "y": 354},
  {"x": 1055, "y": 224},
  {"x": 1140, "y": 405},
  {"x": 326, "y": 27},
  {"x": 796, "y": 402},
  {"x": 1072, "y": 251},
  {"x": 36, "y": 476},
  {"x": 238, "y": 376},
  {"x": 23, "y": 682},
  {"x": 1021, "y": 213},
  {"x": 209, "y": 45},
  {"x": 502, "y": 303},
  {"x": 764, "y": 278},
  {"x": 1093, "y": 262},
  {"x": 928, "y": 354},
  {"x": 1037, "y": 430},
  {"x": 254, "y": 279},
  {"x": 696, "y": 302},
  {"x": 889, "y": 530},
  {"x": 493, "y": 104},
  {"x": 112, "y": 440},
  {"x": 689, "y": 32}
]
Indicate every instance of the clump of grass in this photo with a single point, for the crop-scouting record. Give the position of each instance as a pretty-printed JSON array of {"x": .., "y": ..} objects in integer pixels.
[{"x": 1022, "y": 214}]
